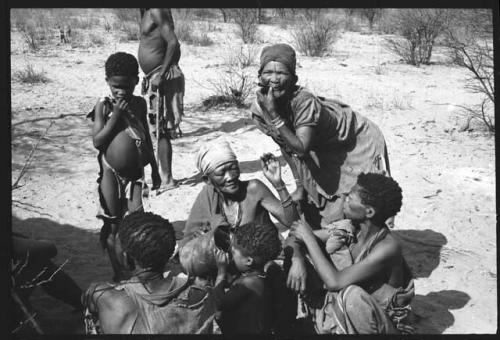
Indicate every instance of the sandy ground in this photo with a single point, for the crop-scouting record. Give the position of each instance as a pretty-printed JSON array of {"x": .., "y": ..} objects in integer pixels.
[{"x": 447, "y": 223}]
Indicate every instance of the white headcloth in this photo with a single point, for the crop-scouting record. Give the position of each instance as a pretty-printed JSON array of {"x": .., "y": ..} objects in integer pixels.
[{"x": 212, "y": 155}]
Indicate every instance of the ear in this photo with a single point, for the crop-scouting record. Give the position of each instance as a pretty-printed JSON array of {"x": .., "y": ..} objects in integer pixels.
[
  {"x": 249, "y": 261},
  {"x": 370, "y": 212},
  {"x": 206, "y": 179},
  {"x": 128, "y": 261}
]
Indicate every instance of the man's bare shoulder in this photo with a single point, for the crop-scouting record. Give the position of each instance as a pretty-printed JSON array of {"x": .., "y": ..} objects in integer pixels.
[
  {"x": 389, "y": 247},
  {"x": 106, "y": 295}
]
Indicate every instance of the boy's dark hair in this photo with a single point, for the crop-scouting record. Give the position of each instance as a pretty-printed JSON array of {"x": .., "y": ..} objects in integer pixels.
[
  {"x": 148, "y": 238},
  {"x": 382, "y": 193},
  {"x": 259, "y": 241},
  {"x": 121, "y": 64}
]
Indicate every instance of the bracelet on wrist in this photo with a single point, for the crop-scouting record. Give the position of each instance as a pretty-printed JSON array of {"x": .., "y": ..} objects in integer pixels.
[
  {"x": 279, "y": 188},
  {"x": 279, "y": 124}
]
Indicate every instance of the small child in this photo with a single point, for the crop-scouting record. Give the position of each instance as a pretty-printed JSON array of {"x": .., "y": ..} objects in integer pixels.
[
  {"x": 246, "y": 306},
  {"x": 121, "y": 135}
]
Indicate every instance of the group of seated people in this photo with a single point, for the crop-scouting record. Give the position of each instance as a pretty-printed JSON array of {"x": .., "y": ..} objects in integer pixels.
[
  {"x": 239, "y": 276},
  {"x": 334, "y": 268}
]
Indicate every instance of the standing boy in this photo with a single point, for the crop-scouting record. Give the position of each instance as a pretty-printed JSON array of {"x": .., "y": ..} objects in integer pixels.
[{"x": 121, "y": 135}]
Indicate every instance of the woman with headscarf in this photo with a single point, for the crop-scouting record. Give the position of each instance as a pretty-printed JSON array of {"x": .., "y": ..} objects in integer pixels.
[
  {"x": 326, "y": 144},
  {"x": 227, "y": 199}
]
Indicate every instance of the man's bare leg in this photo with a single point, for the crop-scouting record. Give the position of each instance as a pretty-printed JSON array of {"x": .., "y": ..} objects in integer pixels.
[{"x": 165, "y": 155}]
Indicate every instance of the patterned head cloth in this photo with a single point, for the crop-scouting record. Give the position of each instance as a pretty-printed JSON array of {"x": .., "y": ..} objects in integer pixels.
[
  {"x": 283, "y": 53},
  {"x": 212, "y": 155}
]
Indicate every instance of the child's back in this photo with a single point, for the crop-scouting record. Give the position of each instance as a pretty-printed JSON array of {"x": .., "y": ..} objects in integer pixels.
[{"x": 246, "y": 307}]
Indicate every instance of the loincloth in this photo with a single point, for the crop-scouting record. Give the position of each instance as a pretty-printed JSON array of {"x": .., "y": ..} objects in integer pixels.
[
  {"x": 170, "y": 106},
  {"x": 126, "y": 187}
]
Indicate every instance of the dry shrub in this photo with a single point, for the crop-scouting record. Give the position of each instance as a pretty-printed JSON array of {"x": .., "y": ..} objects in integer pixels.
[
  {"x": 469, "y": 41},
  {"x": 185, "y": 33},
  {"x": 418, "y": 30},
  {"x": 235, "y": 81},
  {"x": 30, "y": 76},
  {"x": 247, "y": 20},
  {"x": 96, "y": 39},
  {"x": 127, "y": 15},
  {"x": 131, "y": 30},
  {"x": 315, "y": 34}
]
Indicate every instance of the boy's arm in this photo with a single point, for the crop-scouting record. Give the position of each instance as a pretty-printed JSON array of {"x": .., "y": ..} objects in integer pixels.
[
  {"x": 149, "y": 142},
  {"x": 384, "y": 254},
  {"x": 102, "y": 131}
]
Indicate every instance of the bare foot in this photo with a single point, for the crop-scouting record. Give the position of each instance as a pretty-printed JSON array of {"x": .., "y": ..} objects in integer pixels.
[{"x": 167, "y": 186}]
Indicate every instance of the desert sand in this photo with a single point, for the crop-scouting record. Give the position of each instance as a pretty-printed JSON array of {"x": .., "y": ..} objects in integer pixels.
[{"x": 448, "y": 221}]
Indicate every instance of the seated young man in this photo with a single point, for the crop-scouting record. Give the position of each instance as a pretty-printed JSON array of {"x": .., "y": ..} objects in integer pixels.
[
  {"x": 373, "y": 294},
  {"x": 149, "y": 302},
  {"x": 247, "y": 304}
]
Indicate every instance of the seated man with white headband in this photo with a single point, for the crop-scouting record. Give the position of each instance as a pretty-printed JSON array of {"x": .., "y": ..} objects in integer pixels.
[{"x": 225, "y": 198}]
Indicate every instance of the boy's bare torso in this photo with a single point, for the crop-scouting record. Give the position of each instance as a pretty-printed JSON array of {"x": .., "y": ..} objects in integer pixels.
[
  {"x": 122, "y": 152},
  {"x": 152, "y": 46}
]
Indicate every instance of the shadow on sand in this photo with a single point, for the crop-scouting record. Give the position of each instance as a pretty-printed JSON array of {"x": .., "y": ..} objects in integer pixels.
[
  {"x": 86, "y": 263},
  {"x": 422, "y": 251}
]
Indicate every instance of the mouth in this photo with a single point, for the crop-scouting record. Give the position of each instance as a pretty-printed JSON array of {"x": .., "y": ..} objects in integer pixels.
[{"x": 232, "y": 186}]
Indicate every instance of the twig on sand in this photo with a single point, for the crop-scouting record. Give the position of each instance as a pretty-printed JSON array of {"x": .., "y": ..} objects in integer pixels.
[
  {"x": 33, "y": 282},
  {"x": 30, "y": 158},
  {"x": 29, "y": 317}
]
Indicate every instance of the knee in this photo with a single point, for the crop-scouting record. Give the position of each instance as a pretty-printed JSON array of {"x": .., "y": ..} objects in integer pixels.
[{"x": 355, "y": 297}]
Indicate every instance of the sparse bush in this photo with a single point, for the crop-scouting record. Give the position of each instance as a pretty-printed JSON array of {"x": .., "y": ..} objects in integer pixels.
[
  {"x": 183, "y": 30},
  {"x": 131, "y": 30},
  {"x": 128, "y": 15},
  {"x": 371, "y": 14},
  {"x": 469, "y": 40},
  {"x": 315, "y": 34},
  {"x": 247, "y": 20},
  {"x": 205, "y": 13},
  {"x": 30, "y": 76},
  {"x": 85, "y": 22},
  {"x": 419, "y": 29},
  {"x": 107, "y": 26},
  {"x": 96, "y": 39},
  {"x": 234, "y": 83},
  {"x": 242, "y": 56}
]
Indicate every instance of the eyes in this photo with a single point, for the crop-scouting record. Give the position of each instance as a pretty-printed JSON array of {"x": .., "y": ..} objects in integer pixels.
[
  {"x": 279, "y": 73},
  {"x": 222, "y": 171}
]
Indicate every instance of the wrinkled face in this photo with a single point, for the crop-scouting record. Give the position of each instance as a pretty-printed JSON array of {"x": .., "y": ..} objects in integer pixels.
[
  {"x": 353, "y": 208},
  {"x": 241, "y": 261},
  {"x": 122, "y": 86},
  {"x": 277, "y": 76},
  {"x": 226, "y": 177}
]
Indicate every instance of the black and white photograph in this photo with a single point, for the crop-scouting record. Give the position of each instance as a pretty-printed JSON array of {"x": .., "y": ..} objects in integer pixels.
[{"x": 265, "y": 171}]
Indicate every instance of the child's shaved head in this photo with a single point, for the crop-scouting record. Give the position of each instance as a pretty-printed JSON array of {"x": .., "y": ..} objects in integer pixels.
[{"x": 259, "y": 241}]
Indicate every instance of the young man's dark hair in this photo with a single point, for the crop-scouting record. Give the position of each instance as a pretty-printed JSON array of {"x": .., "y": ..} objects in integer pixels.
[
  {"x": 148, "y": 238},
  {"x": 381, "y": 192},
  {"x": 259, "y": 241}
]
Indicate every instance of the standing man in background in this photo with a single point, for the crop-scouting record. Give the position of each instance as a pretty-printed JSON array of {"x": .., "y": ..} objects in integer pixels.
[{"x": 163, "y": 83}]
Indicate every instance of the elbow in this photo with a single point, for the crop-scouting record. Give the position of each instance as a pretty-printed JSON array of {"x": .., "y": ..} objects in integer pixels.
[{"x": 332, "y": 286}]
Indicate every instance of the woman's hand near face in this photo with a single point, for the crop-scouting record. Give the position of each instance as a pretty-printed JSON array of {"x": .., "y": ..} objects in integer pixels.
[
  {"x": 271, "y": 169},
  {"x": 267, "y": 102}
]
